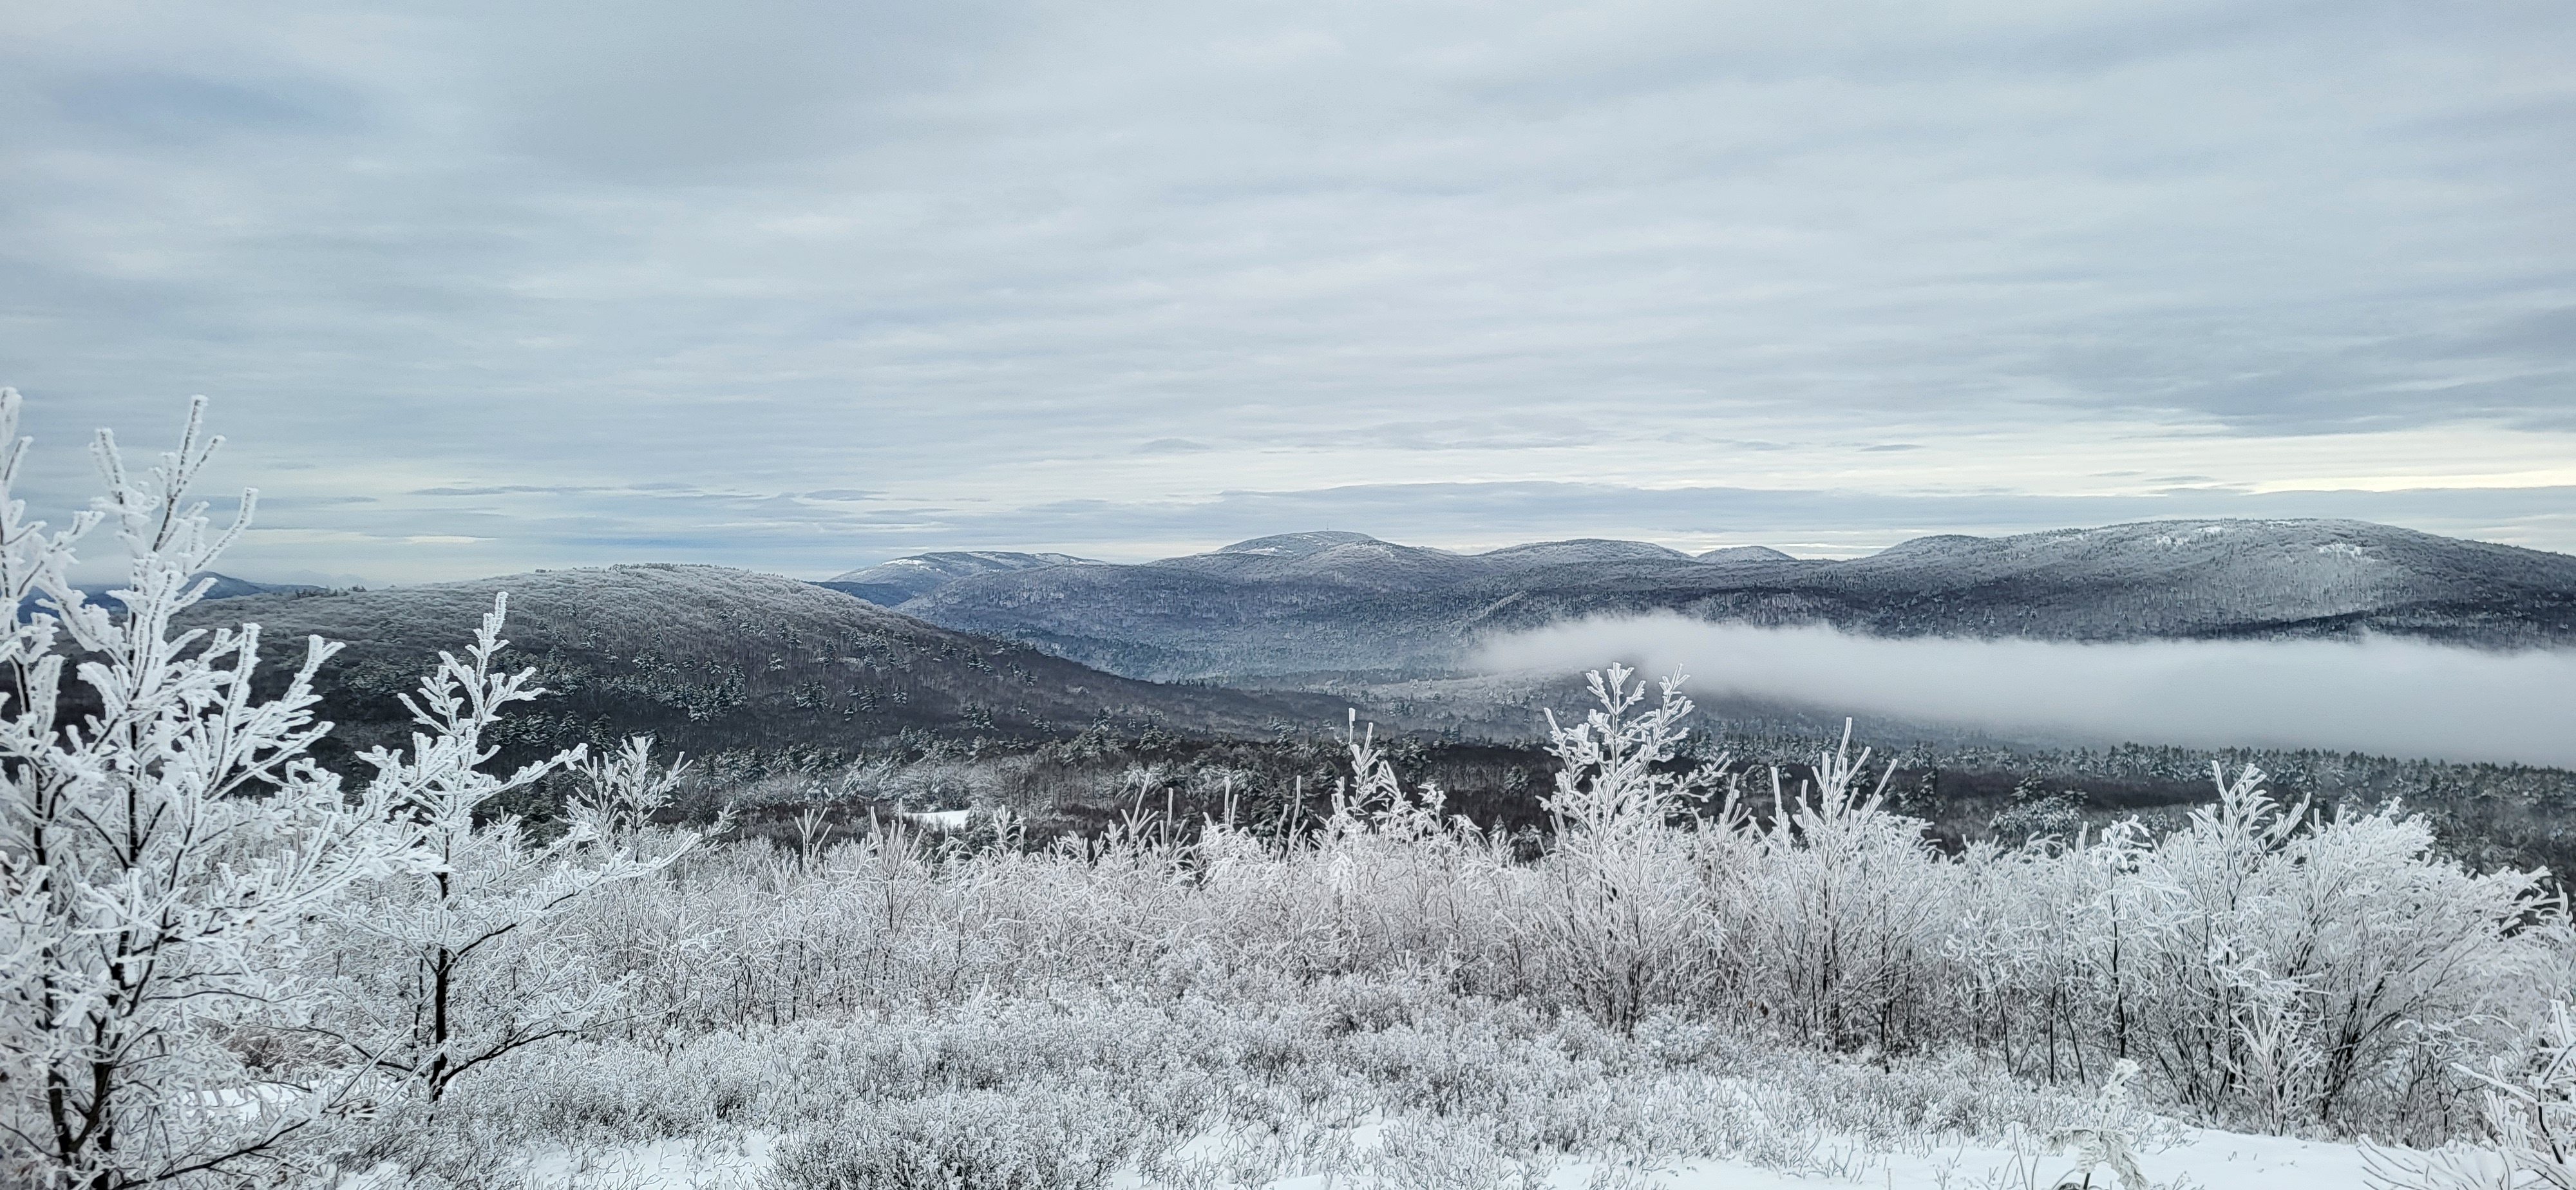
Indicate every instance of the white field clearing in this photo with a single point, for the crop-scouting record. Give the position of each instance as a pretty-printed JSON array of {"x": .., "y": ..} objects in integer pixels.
[{"x": 2177, "y": 1159}]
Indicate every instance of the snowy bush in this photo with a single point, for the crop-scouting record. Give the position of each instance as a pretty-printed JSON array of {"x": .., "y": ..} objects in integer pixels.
[
  {"x": 2529, "y": 1097},
  {"x": 1837, "y": 906},
  {"x": 2265, "y": 966},
  {"x": 2108, "y": 1137},
  {"x": 1624, "y": 918},
  {"x": 2283, "y": 967},
  {"x": 1031, "y": 1138}
]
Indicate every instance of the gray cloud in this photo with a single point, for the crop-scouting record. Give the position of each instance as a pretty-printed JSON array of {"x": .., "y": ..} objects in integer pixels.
[
  {"x": 510, "y": 489},
  {"x": 2384, "y": 697},
  {"x": 991, "y": 252}
]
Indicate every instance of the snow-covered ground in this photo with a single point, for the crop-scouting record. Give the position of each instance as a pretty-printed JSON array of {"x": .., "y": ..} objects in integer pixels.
[
  {"x": 2205, "y": 1159},
  {"x": 2187, "y": 1159}
]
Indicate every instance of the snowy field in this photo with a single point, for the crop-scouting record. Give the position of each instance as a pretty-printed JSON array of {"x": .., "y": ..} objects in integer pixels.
[{"x": 2183, "y": 1159}]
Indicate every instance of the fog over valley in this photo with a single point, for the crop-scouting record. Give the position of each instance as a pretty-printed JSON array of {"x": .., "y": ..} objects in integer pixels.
[{"x": 2376, "y": 695}]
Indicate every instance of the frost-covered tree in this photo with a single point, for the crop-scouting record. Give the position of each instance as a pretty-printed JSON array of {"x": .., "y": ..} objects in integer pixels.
[
  {"x": 2283, "y": 965},
  {"x": 2528, "y": 1096},
  {"x": 1623, "y": 913},
  {"x": 449, "y": 967},
  {"x": 164, "y": 840},
  {"x": 2036, "y": 812},
  {"x": 621, "y": 791},
  {"x": 1839, "y": 906},
  {"x": 2530, "y": 1099},
  {"x": 2108, "y": 1136}
]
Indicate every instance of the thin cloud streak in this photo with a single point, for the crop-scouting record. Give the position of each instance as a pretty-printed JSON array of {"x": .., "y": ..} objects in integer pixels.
[{"x": 2381, "y": 696}]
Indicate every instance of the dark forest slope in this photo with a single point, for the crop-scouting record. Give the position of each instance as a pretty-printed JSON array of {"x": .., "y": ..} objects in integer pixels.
[{"x": 709, "y": 659}]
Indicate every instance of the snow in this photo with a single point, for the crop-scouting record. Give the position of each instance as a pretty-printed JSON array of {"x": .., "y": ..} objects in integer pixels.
[
  {"x": 1743, "y": 554},
  {"x": 2205, "y": 1160},
  {"x": 928, "y": 571},
  {"x": 1579, "y": 551},
  {"x": 2208, "y": 1159},
  {"x": 666, "y": 1164},
  {"x": 2201, "y": 1159},
  {"x": 1295, "y": 545}
]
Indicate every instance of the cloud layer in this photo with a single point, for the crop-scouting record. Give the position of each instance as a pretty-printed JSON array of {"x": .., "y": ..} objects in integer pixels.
[
  {"x": 582, "y": 281},
  {"x": 2384, "y": 697}
]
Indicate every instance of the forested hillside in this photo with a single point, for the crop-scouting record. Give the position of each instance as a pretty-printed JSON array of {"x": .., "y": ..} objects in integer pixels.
[
  {"x": 708, "y": 659},
  {"x": 1325, "y": 602}
]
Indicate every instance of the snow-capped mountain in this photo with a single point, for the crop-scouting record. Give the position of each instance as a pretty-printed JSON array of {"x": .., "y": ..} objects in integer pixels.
[{"x": 1310, "y": 602}]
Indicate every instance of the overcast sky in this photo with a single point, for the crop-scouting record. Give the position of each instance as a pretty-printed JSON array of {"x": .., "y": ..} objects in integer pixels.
[{"x": 804, "y": 286}]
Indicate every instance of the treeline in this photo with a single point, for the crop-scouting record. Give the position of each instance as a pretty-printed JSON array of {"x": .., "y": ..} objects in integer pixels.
[{"x": 2487, "y": 816}]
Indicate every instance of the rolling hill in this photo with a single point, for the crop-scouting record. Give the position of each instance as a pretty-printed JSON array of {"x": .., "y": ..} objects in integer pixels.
[
  {"x": 708, "y": 658},
  {"x": 1327, "y": 602},
  {"x": 890, "y": 583}
]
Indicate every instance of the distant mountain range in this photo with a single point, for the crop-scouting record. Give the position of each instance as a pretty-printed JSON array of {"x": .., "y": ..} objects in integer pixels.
[
  {"x": 708, "y": 658},
  {"x": 224, "y": 586},
  {"x": 1320, "y": 603}
]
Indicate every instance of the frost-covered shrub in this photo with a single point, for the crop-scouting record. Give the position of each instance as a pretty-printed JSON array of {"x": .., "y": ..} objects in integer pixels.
[
  {"x": 589, "y": 1090},
  {"x": 2277, "y": 967},
  {"x": 2529, "y": 1141},
  {"x": 1416, "y": 1153},
  {"x": 1030, "y": 1138},
  {"x": 1620, "y": 913},
  {"x": 2265, "y": 966},
  {"x": 440, "y": 970},
  {"x": 1837, "y": 909},
  {"x": 2037, "y": 814},
  {"x": 2108, "y": 1137}
]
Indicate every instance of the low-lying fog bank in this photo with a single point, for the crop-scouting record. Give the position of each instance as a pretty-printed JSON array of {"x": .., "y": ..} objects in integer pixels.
[{"x": 2383, "y": 696}]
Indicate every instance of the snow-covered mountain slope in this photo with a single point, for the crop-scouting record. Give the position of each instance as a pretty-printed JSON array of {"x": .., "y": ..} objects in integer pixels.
[
  {"x": 1343, "y": 602},
  {"x": 1294, "y": 545},
  {"x": 1737, "y": 555},
  {"x": 1362, "y": 562},
  {"x": 2218, "y": 578},
  {"x": 709, "y": 658},
  {"x": 1582, "y": 551},
  {"x": 889, "y": 583}
]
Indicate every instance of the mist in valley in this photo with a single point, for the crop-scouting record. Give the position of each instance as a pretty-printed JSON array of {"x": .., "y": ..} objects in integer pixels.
[{"x": 2381, "y": 696}]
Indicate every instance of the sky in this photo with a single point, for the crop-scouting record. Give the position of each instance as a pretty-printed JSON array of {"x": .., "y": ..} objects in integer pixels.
[{"x": 480, "y": 287}]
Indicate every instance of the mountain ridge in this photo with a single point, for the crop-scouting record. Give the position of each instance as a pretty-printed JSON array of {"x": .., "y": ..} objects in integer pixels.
[
  {"x": 1310, "y": 602},
  {"x": 711, "y": 658},
  {"x": 891, "y": 582}
]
